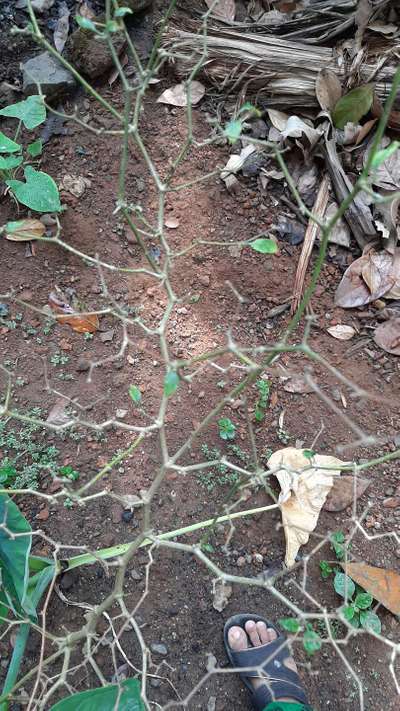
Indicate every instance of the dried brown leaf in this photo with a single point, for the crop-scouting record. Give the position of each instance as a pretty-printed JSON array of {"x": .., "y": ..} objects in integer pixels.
[
  {"x": 341, "y": 331},
  {"x": 353, "y": 290},
  {"x": 297, "y": 384},
  {"x": 26, "y": 230},
  {"x": 382, "y": 583},
  {"x": 387, "y": 336},
  {"x": 328, "y": 89},
  {"x": 177, "y": 95},
  {"x": 345, "y": 490},
  {"x": 79, "y": 322},
  {"x": 377, "y": 272}
]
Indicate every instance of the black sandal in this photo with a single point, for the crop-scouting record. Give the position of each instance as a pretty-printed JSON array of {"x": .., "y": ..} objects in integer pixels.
[{"x": 266, "y": 660}]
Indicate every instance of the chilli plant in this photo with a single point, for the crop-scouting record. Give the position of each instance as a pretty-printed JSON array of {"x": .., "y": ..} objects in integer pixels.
[{"x": 38, "y": 191}]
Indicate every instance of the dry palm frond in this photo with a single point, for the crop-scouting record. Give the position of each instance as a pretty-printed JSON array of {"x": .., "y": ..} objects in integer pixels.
[{"x": 269, "y": 66}]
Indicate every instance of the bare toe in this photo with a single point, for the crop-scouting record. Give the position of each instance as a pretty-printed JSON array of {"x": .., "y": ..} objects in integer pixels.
[
  {"x": 251, "y": 629},
  {"x": 237, "y": 639},
  {"x": 263, "y": 632}
]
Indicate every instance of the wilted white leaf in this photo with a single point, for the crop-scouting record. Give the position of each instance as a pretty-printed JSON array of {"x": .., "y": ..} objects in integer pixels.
[
  {"x": 235, "y": 164},
  {"x": 62, "y": 28},
  {"x": 387, "y": 175},
  {"x": 341, "y": 332},
  {"x": 278, "y": 119},
  {"x": 172, "y": 223},
  {"x": 296, "y": 127},
  {"x": 177, "y": 95},
  {"x": 305, "y": 485},
  {"x": 340, "y": 234}
]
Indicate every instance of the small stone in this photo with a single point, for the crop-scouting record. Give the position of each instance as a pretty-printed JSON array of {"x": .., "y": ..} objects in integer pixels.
[
  {"x": 45, "y": 70},
  {"x": 4, "y": 310},
  {"x": 91, "y": 57},
  {"x": 120, "y": 414},
  {"x": 48, "y": 220},
  {"x": 68, "y": 579},
  {"x": 211, "y": 705},
  {"x": 258, "y": 559},
  {"x": 135, "y": 575},
  {"x": 42, "y": 5},
  {"x": 107, "y": 336},
  {"x": 43, "y": 515},
  {"x": 127, "y": 516},
  {"x": 155, "y": 682},
  {"x": 392, "y": 503},
  {"x": 241, "y": 562},
  {"x": 159, "y": 649},
  {"x": 26, "y": 295},
  {"x": 204, "y": 279},
  {"x": 82, "y": 365}
]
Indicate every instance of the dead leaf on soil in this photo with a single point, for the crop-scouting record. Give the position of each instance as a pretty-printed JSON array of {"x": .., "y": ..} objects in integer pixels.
[
  {"x": 75, "y": 184},
  {"x": 353, "y": 290},
  {"x": 387, "y": 336},
  {"x": 297, "y": 384},
  {"x": 296, "y": 127},
  {"x": 24, "y": 230},
  {"x": 341, "y": 331},
  {"x": 328, "y": 89},
  {"x": 234, "y": 164},
  {"x": 340, "y": 233},
  {"x": 304, "y": 488},
  {"x": 378, "y": 272},
  {"x": 177, "y": 95},
  {"x": 226, "y": 9},
  {"x": 381, "y": 583},
  {"x": 364, "y": 130},
  {"x": 387, "y": 175},
  {"x": 58, "y": 414},
  {"x": 221, "y": 594},
  {"x": 345, "y": 490},
  {"x": 62, "y": 28},
  {"x": 79, "y": 322}
]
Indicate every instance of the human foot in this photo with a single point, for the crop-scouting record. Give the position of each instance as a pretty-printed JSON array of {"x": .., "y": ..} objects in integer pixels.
[{"x": 253, "y": 643}]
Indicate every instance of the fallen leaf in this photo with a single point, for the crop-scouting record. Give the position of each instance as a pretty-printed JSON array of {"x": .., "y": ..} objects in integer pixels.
[
  {"x": 221, "y": 594},
  {"x": 353, "y": 106},
  {"x": 383, "y": 28},
  {"x": 353, "y": 291},
  {"x": 382, "y": 583},
  {"x": 172, "y": 223},
  {"x": 235, "y": 164},
  {"x": 377, "y": 272},
  {"x": 328, "y": 89},
  {"x": 43, "y": 515},
  {"x": 387, "y": 175},
  {"x": 304, "y": 488},
  {"x": 387, "y": 336},
  {"x": 364, "y": 130},
  {"x": 342, "y": 332},
  {"x": 278, "y": 119},
  {"x": 340, "y": 234},
  {"x": 75, "y": 184},
  {"x": 177, "y": 95},
  {"x": 79, "y": 322},
  {"x": 62, "y": 28},
  {"x": 58, "y": 414},
  {"x": 226, "y": 9},
  {"x": 297, "y": 384},
  {"x": 345, "y": 490},
  {"x": 24, "y": 230},
  {"x": 296, "y": 127}
]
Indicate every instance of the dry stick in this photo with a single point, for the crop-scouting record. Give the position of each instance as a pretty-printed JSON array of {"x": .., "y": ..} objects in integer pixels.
[{"x": 312, "y": 231}]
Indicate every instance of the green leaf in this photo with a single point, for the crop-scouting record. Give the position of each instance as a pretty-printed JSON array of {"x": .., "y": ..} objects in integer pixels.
[
  {"x": 348, "y": 612},
  {"x": 290, "y": 624},
  {"x": 370, "y": 621},
  {"x": 85, "y": 23},
  {"x": 227, "y": 429},
  {"x": 104, "y": 699},
  {"x": 122, "y": 11},
  {"x": 344, "y": 585},
  {"x": 31, "y": 111},
  {"x": 10, "y": 162},
  {"x": 7, "y": 472},
  {"x": 384, "y": 154},
  {"x": 135, "y": 393},
  {"x": 325, "y": 569},
  {"x": 232, "y": 130},
  {"x": 7, "y": 145},
  {"x": 263, "y": 245},
  {"x": 112, "y": 26},
  {"x": 308, "y": 453},
  {"x": 247, "y": 106},
  {"x": 171, "y": 382},
  {"x": 34, "y": 149},
  {"x": 311, "y": 641},
  {"x": 363, "y": 600},
  {"x": 14, "y": 553},
  {"x": 353, "y": 106},
  {"x": 337, "y": 540},
  {"x": 40, "y": 192}
]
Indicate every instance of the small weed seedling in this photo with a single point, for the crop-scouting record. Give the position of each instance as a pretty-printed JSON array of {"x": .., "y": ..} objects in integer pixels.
[
  {"x": 221, "y": 474},
  {"x": 262, "y": 402},
  {"x": 227, "y": 430}
]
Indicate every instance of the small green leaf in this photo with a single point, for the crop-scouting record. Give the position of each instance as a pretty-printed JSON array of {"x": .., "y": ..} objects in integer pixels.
[
  {"x": 86, "y": 24},
  {"x": 135, "y": 393},
  {"x": 370, "y": 621},
  {"x": 384, "y": 154},
  {"x": 290, "y": 624},
  {"x": 7, "y": 145},
  {"x": 264, "y": 246},
  {"x": 112, "y": 26},
  {"x": 7, "y": 472},
  {"x": 348, "y": 612},
  {"x": 337, "y": 540},
  {"x": 247, "y": 106},
  {"x": 34, "y": 149},
  {"x": 311, "y": 641},
  {"x": 207, "y": 548},
  {"x": 125, "y": 697},
  {"x": 353, "y": 106},
  {"x": 227, "y": 429},
  {"x": 122, "y": 11},
  {"x": 171, "y": 382},
  {"x": 308, "y": 453},
  {"x": 31, "y": 111},
  {"x": 69, "y": 472},
  {"x": 10, "y": 162},
  {"x": 344, "y": 585},
  {"x": 233, "y": 130},
  {"x": 325, "y": 569},
  {"x": 39, "y": 192},
  {"x": 363, "y": 600}
]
